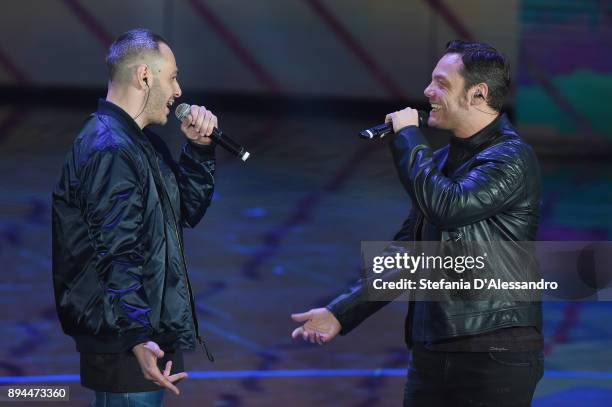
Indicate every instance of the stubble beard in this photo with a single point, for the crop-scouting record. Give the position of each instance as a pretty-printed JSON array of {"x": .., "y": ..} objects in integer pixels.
[{"x": 156, "y": 105}]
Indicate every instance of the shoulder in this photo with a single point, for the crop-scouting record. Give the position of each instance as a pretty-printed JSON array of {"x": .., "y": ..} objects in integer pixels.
[
  {"x": 102, "y": 140},
  {"x": 440, "y": 153},
  {"x": 510, "y": 149}
]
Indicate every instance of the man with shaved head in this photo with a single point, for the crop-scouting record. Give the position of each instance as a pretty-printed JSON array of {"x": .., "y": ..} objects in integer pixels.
[{"x": 121, "y": 284}]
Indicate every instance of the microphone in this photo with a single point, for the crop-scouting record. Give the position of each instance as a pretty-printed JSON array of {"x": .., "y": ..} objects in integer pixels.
[
  {"x": 218, "y": 137},
  {"x": 382, "y": 130}
]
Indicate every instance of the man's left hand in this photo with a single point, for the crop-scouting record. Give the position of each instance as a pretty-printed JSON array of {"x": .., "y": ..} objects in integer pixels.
[
  {"x": 199, "y": 124},
  {"x": 403, "y": 118},
  {"x": 147, "y": 355}
]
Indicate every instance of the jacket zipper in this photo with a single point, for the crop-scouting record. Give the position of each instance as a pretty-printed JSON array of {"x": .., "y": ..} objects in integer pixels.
[
  {"x": 411, "y": 295},
  {"x": 191, "y": 298}
]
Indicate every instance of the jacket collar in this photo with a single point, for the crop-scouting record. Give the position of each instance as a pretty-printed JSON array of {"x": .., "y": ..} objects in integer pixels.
[
  {"x": 484, "y": 136},
  {"x": 107, "y": 108}
]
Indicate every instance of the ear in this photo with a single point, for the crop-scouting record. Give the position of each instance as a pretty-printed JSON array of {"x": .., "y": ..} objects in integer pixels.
[
  {"x": 143, "y": 76},
  {"x": 480, "y": 93}
]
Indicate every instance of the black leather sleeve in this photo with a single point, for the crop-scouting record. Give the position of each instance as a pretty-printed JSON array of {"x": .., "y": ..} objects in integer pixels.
[
  {"x": 352, "y": 307},
  {"x": 492, "y": 184},
  {"x": 113, "y": 205},
  {"x": 196, "y": 181}
]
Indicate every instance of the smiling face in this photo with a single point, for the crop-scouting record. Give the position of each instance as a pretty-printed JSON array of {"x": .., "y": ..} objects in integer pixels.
[
  {"x": 447, "y": 94},
  {"x": 164, "y": 87}
]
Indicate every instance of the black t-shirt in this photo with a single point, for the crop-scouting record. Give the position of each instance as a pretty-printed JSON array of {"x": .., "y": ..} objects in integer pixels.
[{"x": 120, "y": 372}]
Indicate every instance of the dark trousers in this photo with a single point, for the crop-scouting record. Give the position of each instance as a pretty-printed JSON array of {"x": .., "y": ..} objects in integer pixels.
[
  {"x": 140, "y": 399},
  {"x": 497, "y": 379}
]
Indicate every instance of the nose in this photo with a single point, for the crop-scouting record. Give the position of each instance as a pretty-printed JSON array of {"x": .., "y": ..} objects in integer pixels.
[
  {"x": 428, "y": 92},
  {"x": 177, "y": 91}
]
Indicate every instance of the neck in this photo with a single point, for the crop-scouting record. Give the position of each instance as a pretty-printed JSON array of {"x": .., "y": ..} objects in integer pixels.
[
  {"x": 474, "y": 122},
  {"x": 130, "y": 101}
]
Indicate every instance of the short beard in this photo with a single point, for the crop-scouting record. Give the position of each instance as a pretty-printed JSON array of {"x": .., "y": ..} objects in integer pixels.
[{"x": 155, "y": 107}]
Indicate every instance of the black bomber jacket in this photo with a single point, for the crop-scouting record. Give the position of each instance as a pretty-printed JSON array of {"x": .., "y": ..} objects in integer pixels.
[
  {"x": 118, "y": 210},
  {"x": 492, "y": 196}
]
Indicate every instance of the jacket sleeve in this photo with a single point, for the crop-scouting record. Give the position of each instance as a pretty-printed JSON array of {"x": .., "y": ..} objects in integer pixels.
[
  {"x": 113, "y": 207},
  {"x": 491, "y": 185},
  {"x": 353, "y": 307},
  {"x": 196, "y": 181}
]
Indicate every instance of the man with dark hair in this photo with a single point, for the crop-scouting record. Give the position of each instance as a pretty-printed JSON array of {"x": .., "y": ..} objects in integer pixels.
[
  {"x": 483, "y": 186},
  {"x": 121, "y": 285}
]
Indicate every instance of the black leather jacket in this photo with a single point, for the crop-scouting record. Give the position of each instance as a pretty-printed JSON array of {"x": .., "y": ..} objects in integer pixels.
[
  {"x": 118, "y": 210},
  {"x": 494, "y": 195}
]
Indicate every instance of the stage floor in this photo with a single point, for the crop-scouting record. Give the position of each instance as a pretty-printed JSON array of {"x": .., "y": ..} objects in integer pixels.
[{"x": 282, "y": 235}]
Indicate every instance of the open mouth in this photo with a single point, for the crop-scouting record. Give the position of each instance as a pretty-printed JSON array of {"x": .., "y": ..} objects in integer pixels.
[
  {"x": 169, "y": 105},
  {"x": 435, "y": 107}
]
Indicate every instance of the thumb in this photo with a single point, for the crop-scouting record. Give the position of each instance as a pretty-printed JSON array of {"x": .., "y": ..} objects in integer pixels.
[
  {"x": 304, "y": 316},
  {"x": 155, "y": 349}
]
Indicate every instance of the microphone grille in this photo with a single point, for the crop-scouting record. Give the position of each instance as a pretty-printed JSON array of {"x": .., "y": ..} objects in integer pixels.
[{"x": 182, "y": 111}]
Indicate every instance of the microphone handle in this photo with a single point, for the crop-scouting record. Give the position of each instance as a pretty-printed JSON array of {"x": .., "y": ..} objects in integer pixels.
[
  {"x": 379, "y": 131},
  {"x": 229, "y": 144},
  {"x": 382, "y": 130}
]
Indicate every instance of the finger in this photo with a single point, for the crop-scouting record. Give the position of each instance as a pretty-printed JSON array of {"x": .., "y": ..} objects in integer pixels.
[
  {"x": 211, "y": 126},
  {"x": 389, "y": 118},
  {"x": 163, "y": 381},
  {"x": 188, "y": 129},
  {"x": 168, "y": 368},
  {"x": 177, "y": 376},
  {"x": 319, "y": 338},
  {"x": 305, "y": 335},
  {"x": 301, "y": 317},
  {"x": 297, "y": 332},
  {"x": 206, "y": 123},
  {"x": 185, "y": 124},
  {"x": 194, "y": 114},
  {"x": 215, "y": 121},
  {"x": 155, "y": 349},
  {"x": 200, "y": 120}
]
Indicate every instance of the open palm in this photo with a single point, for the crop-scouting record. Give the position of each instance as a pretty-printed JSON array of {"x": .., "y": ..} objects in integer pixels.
[{"x": 320, "y": 326}]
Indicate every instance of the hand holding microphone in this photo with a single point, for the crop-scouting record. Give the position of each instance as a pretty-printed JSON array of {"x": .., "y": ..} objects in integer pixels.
[
  {"x": 403, "y": 118},
  {"x": 395, "y": 121},
  {"x": 197, "y": 123},
  {"x": 200, "y": 126}
]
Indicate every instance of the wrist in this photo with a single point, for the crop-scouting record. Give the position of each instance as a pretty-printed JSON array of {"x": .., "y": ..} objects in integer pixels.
[
  {"x": 200, "y": 152},
  {"x": 138, "y": 346},
  {"x": 197, "y": 143}
]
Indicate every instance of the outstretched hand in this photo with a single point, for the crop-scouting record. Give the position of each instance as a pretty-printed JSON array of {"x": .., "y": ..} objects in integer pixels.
[
  {"x": 147, "y": 355},
  {"x": 320, "y": 326}
]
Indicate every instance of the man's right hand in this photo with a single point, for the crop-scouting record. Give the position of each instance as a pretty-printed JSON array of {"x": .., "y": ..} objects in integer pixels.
[
  {"x": 147, "y": 355},
  {"x": 320, "y": 326}
]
